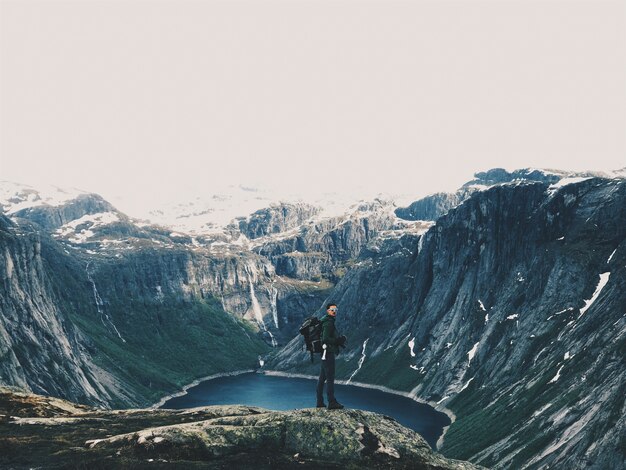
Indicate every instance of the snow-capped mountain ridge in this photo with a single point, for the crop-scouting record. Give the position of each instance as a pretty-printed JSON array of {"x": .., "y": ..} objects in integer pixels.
[
  {"x": 16, "y": 197},
  {"x": 435, "y": 205},
  {"x": 212, "y": 213}
]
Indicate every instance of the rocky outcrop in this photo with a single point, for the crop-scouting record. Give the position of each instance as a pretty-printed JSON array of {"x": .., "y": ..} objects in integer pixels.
[
  {"x": 50, "y": 217},
  {"x": 37, "y": 431},
  {"x": 277, "y": 218},
  {"x": 510, "y": 312},
  {"x": 321, "y": 248},
  {"x": 434, "y": 206}
]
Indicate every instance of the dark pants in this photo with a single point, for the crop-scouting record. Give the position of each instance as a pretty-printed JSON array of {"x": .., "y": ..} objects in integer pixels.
[{"x": 327, "y": 374}]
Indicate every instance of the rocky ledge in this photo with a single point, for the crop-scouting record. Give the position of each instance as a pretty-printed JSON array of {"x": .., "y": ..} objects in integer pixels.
[{"x": 43, "y": 432}]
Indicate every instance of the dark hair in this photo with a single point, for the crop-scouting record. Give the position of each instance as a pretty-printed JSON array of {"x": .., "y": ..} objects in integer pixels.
[{"x": 330, "y": 305}]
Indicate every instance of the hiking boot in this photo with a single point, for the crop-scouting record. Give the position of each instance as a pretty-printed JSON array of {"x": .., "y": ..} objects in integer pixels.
[
  {"x": 321, "y": 404},
  {"x": 335, "y": 405}
]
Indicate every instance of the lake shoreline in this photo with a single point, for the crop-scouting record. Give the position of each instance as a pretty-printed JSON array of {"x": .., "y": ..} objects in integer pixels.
[
  {"x": 276, "y": 373},
  {"x": 382, "y": 388},
  {"x": 183, "y": 391}
]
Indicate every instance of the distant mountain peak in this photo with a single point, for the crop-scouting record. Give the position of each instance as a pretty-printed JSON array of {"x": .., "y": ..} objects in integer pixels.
[
  {"x": 435, "y": 205},
  {"x": 15, "y": 197}
]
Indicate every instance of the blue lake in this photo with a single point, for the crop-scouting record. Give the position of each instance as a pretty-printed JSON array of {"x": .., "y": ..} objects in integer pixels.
[{"x": 286, "y": 393}]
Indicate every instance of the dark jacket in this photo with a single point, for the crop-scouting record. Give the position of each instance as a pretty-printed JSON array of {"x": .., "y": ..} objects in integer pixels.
[{"x": 330, "y": 335}]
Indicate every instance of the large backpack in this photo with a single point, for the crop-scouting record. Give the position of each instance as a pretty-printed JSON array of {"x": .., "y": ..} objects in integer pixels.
[{"x": 311, "y": 329}]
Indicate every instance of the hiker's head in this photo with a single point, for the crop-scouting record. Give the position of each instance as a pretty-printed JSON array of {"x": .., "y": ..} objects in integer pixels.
[{"x": 331, "y": 309}]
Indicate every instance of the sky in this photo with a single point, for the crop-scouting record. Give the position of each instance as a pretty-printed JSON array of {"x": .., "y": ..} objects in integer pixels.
[{"x": 149, "y": 102}]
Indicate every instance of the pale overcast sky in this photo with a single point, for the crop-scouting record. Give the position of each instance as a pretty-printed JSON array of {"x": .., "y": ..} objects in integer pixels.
[{"x": 154, "y": 100}]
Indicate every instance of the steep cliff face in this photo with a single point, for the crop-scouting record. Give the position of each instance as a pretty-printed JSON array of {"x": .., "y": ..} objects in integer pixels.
[
  {"x": 510, "y": 312},
  {"x": 244, "y": 284},
  {"x": 40, "y": 349},
  {"x": 71, "y": 328}
]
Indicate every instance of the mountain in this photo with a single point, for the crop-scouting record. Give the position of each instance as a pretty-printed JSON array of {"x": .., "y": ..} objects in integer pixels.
[
  {"x": 39, "y": 348},
  {"x": 125, "y": 295},
  {"x": 502, "y": 299},
  {"x": 324, "y": 247},
  {"x": 509, "y": 311},
  {"x": 272, "y": 268},
  {"x": 434, "y": 206},
  {"x": 215, "y": 208},
  {"x": 277, "y": 218},
  {"x": 15, "y": 198},
  {"x": 101, "y": 310},
  {"x": 95, "y": 329}
]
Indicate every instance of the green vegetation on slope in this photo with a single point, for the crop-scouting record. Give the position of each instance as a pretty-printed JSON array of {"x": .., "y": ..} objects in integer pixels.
[
  {"x": 171, "y": 344},
  {"x": 167, "y": 342}
]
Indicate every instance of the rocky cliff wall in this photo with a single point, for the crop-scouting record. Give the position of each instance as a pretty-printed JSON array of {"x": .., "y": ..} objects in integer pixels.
[
  {"x": 277, "y": 218},
  {"x": 510, "y": 312},
  {"x": 40, "y": 349},
  {"x": 71, "y": 328}
]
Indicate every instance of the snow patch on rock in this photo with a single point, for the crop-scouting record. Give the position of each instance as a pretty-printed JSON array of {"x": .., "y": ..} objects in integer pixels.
[
  {"x": 604, "y": 278},
  {"x": 471, "y": 353}
]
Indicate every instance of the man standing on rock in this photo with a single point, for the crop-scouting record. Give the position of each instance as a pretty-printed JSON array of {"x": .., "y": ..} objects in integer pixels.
[{"x": 330, "y": 343}]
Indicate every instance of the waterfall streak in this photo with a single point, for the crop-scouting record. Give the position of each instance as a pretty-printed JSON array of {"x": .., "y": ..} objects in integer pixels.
[
  {"x": 256, "y": 308},
  {"x": 104, "y": 317},
  {"x": 273, "y": 294}
]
